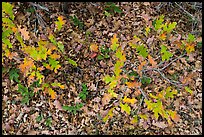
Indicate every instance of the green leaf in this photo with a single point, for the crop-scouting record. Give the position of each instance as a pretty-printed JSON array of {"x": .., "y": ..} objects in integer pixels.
[
  {"x": 107, "y": 14},
  {"x": 171, "y": 26},
  {"x": 72, "y": 62},
  {"x": 169, "y": 93},
  {"x": 108, "y": 79},
  {"x": 117, "y": 9},
  {"x": 39, "y": 118},
  {"x": 189, "y": 90},
  {"x": 52, "y": 39},
  {"x": 60, "y": 46},
  {"x": 100, "y": 57},
  {"x": 48, "y": 122},
  {"x": 165, "y": 54},
  {"x": 125, "y": 108},
  {"x": 142, "y": 51},
  {"x": 67, "y": 108},
  {"x": 158, "y": 23},
  {"x": 146, "y": 80},
  {"x": 84, "y": 92},
  {"x": 13, "y": 74},
  {"x": 191, "y": 38},
  {"x": 8, "y": 9},
  {"x": 7, "y": 42}
]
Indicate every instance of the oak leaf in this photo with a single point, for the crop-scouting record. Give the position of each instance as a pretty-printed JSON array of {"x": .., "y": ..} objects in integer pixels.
[
  {"x": 152, "y": 62},
  {"x": 24, "y": 33},
  {"x": 94, "y": 48},
  {"x": 129, "y": 100}
]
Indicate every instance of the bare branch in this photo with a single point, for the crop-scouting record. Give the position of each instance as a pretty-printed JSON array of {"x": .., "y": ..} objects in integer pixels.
[
  {"x": 172, "y": 61},
  {"x": 38, "y": 6},
  {"x": 185, "y": 11}
]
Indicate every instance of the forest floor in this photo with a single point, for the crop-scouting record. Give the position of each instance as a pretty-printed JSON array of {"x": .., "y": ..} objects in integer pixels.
[{"x": 44, "y": 115}]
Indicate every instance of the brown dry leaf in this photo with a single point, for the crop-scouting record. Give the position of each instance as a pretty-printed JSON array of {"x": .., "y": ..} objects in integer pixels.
[
  {"x": 89, "y": 22},
  {"x": 152, "y": 62},
  {"x": 24, "y": 33},
  {"x": 57, "y": 105},
  {"x": 93, "y": 87},
  {"x": 160, "y": 124},
  {"x": 106, "y": 98},
  {"x": 32, "y": 132}
]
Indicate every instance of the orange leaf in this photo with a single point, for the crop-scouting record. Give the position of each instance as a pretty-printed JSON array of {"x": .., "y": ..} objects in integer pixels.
[
  {"x": 114, "y": 39},
  {"x": 190, "y": 48},
  {"x": 133, "y": 84},
  {"x": 52, "y": 93},
  {"x": 94, "y": 48},
  {"x": 140, "y": 67},
  {"x": 24, "y": 33},
  {"x": 55, "y": 56},
  {"x": 162, "y": 36},
  {"x": 152, "y": 61},
  {"x": 27, "y": 64}
]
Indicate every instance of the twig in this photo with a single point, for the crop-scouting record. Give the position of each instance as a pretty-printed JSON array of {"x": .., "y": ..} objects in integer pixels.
[
  {"x": 172, "y": 61},
  {"x": 185, "y": 11},
  {"x": 170, "y": 81},
  {"x": 38, "y": 6},
  {"x": 143, "y": 93}
]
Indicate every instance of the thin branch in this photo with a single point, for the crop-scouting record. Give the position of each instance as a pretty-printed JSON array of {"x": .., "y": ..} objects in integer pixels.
[
  {"x": 38, "y": 6},
  {"x": 172, "y": 61},
  {"x": 185, "y": 11},
  {"x": 170, "y": 81},
  {"x": 143, "y": 93}
]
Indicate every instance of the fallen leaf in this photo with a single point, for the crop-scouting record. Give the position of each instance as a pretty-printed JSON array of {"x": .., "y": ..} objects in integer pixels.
[
  {"x": 106, "y": 98},
  {"x": 152, "y": 62},
  {"x": 93, "y": 55},
  {"x": 94, "y": 48},
  {"x": 160, "y": 124},
  {"x": 129, "y": 100},
  {"x": 24, "y": 33},
  {"x": 57, "y": 105}
]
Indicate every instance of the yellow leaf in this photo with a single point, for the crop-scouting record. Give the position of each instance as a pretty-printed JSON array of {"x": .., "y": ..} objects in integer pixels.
[
  {"x": 129, "y": 100},
  {"x": 94, "y": 48},
  {"x": 125, "y": 108},
  {"x": 52, "y": 93},
  {"x": 60, "y": 18},
  {"x": 133, "y": 84},
  {"x": 143, "y": 116}
]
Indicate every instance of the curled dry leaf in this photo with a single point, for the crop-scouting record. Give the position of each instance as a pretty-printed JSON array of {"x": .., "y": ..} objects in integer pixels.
[
  {"x": 24, "y": 33},
  {"x": 57, "y": 105},
  {"x": 160, "y": 124}
]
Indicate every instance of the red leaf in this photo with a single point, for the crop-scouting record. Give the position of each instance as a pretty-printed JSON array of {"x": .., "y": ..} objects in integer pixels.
[{"x": 93, "y": 55}]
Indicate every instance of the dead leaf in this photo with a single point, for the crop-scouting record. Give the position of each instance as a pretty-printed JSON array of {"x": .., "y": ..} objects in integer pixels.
[
  {"x": 152, "y": 62},
  {"x": 93, "y": 55},
  {"x": 160, "y": 124},
  {"x": 106, "y": 98},
  {"x": 24, "y": 33},
  {"x": 32, "y": 132},
  {"x": 57, "y": 105}
]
